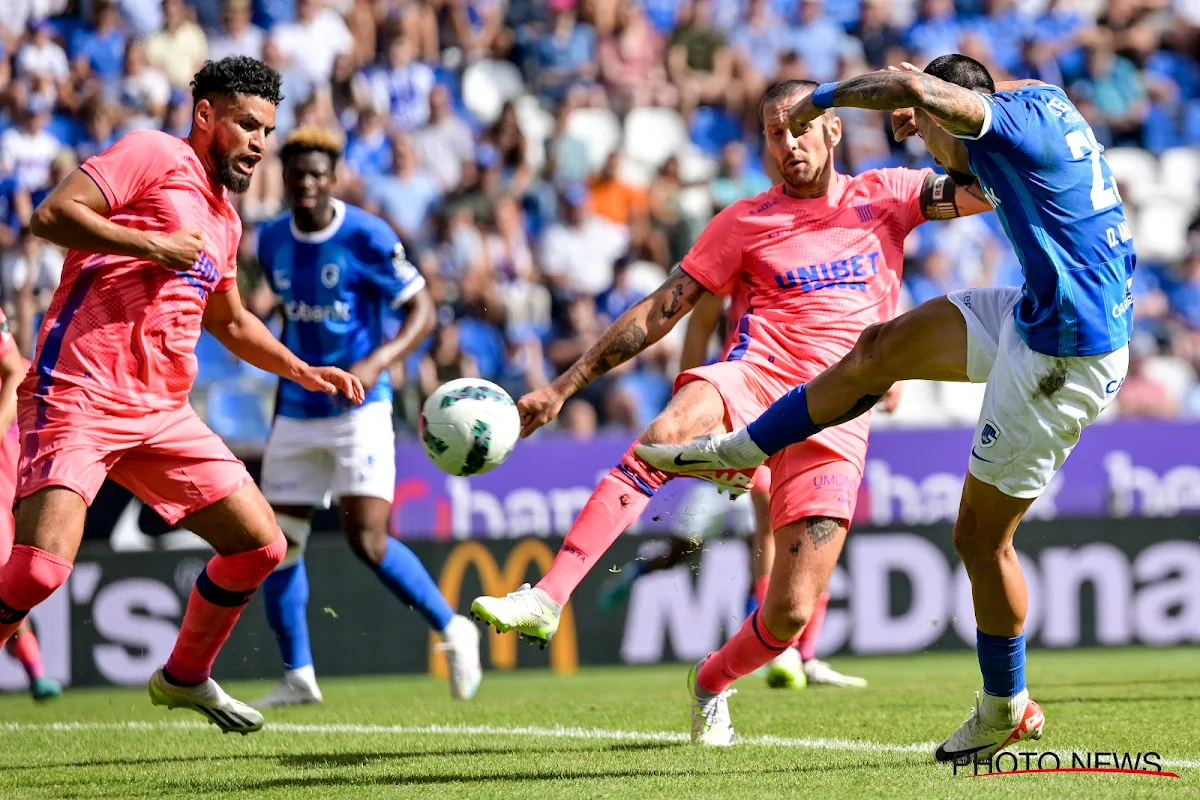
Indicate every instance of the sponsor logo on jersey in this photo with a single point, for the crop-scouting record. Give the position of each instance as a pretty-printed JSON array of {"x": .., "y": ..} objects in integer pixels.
[
  {"x": 853, "y": 273},
  {"x": 300, "y": 311}
]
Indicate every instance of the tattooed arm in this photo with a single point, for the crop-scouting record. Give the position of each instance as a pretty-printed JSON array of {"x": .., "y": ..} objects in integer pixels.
[
  {"x": 941, "y": 198},
  {"x": 959, "y": 111},
  {"x": 649, "y": 320}
]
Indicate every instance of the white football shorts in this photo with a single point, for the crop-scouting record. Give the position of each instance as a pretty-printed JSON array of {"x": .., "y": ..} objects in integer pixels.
[
  {"x": 1035, "y": 406},
  {"x": 309, "y": 462}
]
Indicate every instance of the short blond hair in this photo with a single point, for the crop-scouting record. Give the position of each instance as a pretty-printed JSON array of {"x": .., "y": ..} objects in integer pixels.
[{"x": 311, "y": 140}]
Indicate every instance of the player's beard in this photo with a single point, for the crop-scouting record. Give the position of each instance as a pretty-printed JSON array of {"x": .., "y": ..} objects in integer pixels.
[{"x": 227, "y": 174}]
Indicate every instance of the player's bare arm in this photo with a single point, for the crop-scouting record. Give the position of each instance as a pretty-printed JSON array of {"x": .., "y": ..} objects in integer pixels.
[
  {"x": 702, "y": 324},
  {"x": 904, "y": 120},
  {"x": 244, "y": 335},
  {"x": 72, "y": 217},
  {"x": 957, "y": 110},
  {"x": 649, "y": 320},
  {"x": 12, "y": 372},
  {"x": 420, "y": 318}
]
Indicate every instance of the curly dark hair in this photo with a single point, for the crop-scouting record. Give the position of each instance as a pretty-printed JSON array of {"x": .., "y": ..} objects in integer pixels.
[{"x": 237, "y": 75}]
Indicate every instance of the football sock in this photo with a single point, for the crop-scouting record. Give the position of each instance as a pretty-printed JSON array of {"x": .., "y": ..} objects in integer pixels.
[
  {"x": 285, "y": 594},
  {"x": 807, "y": 642},
  {"x": 406, "y": 577},
  {"x": 24, "y": 648},
  {"x": 758, "y": 593},
  {"x": 750, "y": 648},
  {"x": 28, "y": 577},
  {"x": 784, "y": 423},
  {"x": 1002, "y": 662},
  {"x": 621, "y": 497},
  {"x": 221, "y": 592}
]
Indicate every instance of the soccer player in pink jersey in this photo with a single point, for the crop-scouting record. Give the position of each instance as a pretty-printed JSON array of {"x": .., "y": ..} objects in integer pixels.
[
  {"x": 23, "y": 645},
  {"x": 819, "y": 257},
  {"x": 152, "y": 240}
]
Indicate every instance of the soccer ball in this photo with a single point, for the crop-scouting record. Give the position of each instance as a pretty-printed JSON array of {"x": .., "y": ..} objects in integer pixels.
[{"x": 469, "y": 426}]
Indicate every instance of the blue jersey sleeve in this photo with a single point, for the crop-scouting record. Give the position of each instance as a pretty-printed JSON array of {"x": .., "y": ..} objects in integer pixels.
[
  {"x": 386, "y": 266},
  {"x": 1005, "y": 121}
]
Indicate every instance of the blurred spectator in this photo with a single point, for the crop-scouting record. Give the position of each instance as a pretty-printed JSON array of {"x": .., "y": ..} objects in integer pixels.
[
  {"x": 180, "y": 48},
  {"x": 508, "y": 139},
  {"x": 27, "y": 149},
  {"x": 445, "y": 142},
  {"x": 820, "y": 39},
  {"x": 313, "y": 41},
  {"x": 369, "y": 150},
  {"x": 100, "y": 47},
  {"x": 733, "y": 180},
  {"x": 238, "y": 35},
  {"x": 445, "y": 361},
  {"x": 1143, "y": 394},
  {"x": 700, "y": 62},
  {"x": 565, "y": 54},
  {"x": 876, "y": 33},
  {"x": 758, "y": 44},
  {"x": 408, "y": 195},
  {"x": 472, "y": 26},
  {"x": 935, "y": 31},
  {"x": 578, "y": 254},
  {"x": 145, "y": 91},
  {"x": 403, "y": 87},
  {"x": 1112, "y": 88},
  {"x": 579, "y": 419},
  {"x": 611, "y": 197},
  {"x": 41, "y": 56},
  {"x": 631, "y": 62}
]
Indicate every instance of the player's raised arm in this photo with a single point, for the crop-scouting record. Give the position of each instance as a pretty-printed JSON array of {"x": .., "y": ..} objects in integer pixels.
[
  {"x": 249, "y": 339},
  {"x": 942, "y": 198},
  {"x": 649, "y": 320},
  {"x": 959, "y": 111}
]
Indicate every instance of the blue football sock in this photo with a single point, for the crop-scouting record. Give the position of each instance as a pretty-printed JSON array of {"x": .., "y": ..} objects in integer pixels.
[
  {"x": 785, "y": 422},
  {"x": 285, "y": 593},
  {"x": 1002, "y": 662},
  {"x": 406, "y": 577},
  {"x": 751, "y": 604}
]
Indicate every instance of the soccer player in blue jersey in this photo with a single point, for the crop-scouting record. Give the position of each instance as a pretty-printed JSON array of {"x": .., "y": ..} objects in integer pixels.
[
  {"x": 1053, "y": 352},
  {"x": 342, "y": 278}
]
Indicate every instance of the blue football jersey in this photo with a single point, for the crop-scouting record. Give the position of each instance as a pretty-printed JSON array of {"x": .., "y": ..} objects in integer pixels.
[
  {"x": 341, "y": 289},
  {"x": 1041, "y": 166}
]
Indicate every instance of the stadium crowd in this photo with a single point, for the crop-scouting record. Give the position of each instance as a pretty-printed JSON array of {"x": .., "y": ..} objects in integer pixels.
[{"x": 546, "y": 161}]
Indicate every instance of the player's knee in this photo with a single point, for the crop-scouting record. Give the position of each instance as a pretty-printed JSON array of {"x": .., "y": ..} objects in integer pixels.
[
  {"x": 785, "y": 619},
  {"x": 976, "y": 545},
  {"x": 868, "y": 359},
  {"x": 665, "y": 429},
  {"x": 29, "y": 577},
  {"x": 367, "y": 544}
]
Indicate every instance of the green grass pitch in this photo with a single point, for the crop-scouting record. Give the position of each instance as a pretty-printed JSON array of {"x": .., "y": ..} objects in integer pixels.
[{"x": 623, "y": 734}]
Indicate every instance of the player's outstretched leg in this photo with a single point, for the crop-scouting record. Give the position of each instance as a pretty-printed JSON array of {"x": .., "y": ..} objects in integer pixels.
[
  {"x": 621, "y": 497},
  {"x": 285, "y": 597},
  {"x": 249, "y": 545},
  {"x": 807, "y": 552},
  {"x": 1004, "y": 714},
  {"x": 365, "y": 520},
  {"x": 926, "y": 343},
  {"x": 24, "y": 648}
]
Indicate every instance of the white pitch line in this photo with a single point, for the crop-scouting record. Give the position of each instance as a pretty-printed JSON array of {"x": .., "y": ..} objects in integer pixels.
[{"x": 557, "y": 732}]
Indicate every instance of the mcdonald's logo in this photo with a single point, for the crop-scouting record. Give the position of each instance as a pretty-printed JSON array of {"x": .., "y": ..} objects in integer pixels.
[{"x": 502, "y": 648}]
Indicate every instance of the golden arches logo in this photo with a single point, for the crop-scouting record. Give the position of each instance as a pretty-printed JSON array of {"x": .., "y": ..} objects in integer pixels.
[{"x": 502, "y": 648}]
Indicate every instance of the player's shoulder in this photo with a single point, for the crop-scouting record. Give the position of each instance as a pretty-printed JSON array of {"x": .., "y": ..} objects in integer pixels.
[
  {"x": 356, "y": 220},
  {"x": 153, "y": 141},
  {"x": 882, "y": 183},
  {"x": 748, "y": 207}
]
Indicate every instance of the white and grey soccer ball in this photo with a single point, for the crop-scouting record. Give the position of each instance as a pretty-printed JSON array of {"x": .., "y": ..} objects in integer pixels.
[{"x": 469, "y": 426}]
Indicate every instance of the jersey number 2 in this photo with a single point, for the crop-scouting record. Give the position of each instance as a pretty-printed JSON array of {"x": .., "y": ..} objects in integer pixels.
[{"x": 1083, "y": 142}]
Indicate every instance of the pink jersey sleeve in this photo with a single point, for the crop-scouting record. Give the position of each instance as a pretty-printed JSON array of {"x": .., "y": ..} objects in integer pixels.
[
  {"x": 138, "y": 161},
  {"x": 229, "y": 269},
  {"x": 904, "y": 186},
  {"x": 715, "y": 260}
]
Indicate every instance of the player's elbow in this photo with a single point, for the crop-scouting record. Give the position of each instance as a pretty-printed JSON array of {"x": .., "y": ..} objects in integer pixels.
[
  {"x": 45, "y": 219},
  {"x": 423, "y": 312}
]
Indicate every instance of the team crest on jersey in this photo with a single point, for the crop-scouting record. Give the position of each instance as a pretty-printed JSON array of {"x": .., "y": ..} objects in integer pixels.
[
  {"x": 329, "y": 275},
  {"x": 989, "y": 434}
]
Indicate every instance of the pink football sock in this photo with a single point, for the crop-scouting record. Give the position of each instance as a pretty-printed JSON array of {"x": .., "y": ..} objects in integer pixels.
[
  {"x": 621, "y": 497},
  {"x": 221, "y": 592},
  {"x": 750, "y": 648},
  {"x": 807, "y": 642},
  {"x": 24, "y": 648},
  {"x": 28, "y": 577}
]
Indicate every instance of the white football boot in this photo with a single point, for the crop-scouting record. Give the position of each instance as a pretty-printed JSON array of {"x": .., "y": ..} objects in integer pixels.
[
  {"x": 231, "y": 716},
  {"x": 711, "y": 724},
  {"x": 727, "y": 459},
  {"x": 528, "y": 611},
  {"x": 298, "y": 688},
  {"x": 819, "y": 673},
  {"x": 460, "y": 643},
  {"x": 981, "y": 736}
]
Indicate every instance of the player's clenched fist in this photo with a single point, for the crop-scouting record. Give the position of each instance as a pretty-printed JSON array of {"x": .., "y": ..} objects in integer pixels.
[
  {"x": 538, "y": 408},
  {"x": 179, "y": 250},
  {"x": 332, "y": 380}
]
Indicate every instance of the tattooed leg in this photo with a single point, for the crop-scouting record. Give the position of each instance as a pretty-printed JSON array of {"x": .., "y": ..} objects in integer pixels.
[{"x": 807, "y": 551}]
